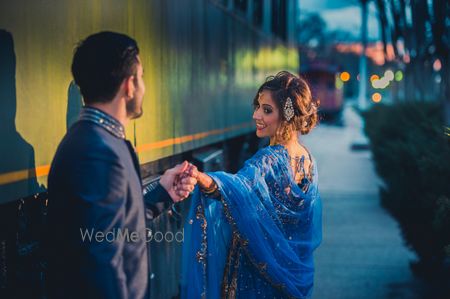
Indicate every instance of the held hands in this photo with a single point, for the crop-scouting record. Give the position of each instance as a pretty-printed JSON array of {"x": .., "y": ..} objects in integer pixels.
[
  {"x": 179, "y": 181},
  {"x": 204, "y": 181},
  {"x": 186, "y": 181},
  {"x": 185, "y": 184}
]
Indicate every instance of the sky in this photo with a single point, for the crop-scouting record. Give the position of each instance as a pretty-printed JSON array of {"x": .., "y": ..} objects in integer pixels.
[{"x": 344, "y": 15}]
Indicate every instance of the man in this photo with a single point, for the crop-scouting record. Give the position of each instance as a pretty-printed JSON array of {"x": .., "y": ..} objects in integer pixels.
[{"x": 97, "y": 241}]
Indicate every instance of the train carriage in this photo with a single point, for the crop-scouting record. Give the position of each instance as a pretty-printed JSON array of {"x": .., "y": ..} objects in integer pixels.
[{"x": 203, "y": 61}]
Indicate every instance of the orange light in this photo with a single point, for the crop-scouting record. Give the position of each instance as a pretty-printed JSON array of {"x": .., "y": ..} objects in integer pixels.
[
  {"x": 374, "y": 77},
  {"x": 345, "y": 76},
  {"x": 376, "y": 97}
]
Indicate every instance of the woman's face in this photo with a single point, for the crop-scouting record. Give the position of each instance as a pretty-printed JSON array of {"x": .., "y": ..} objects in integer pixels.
[{"x": 266, "y": 115}]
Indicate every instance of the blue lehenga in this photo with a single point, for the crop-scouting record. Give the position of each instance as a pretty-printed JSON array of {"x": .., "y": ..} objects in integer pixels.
[{"x": 257, "y": 239}]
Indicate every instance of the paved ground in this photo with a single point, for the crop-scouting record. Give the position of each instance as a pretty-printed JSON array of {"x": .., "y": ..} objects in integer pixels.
[{"x": 362, "y": 254}]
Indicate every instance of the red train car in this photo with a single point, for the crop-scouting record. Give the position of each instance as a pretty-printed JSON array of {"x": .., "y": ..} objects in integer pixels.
[{"x": 322, "y": 78}]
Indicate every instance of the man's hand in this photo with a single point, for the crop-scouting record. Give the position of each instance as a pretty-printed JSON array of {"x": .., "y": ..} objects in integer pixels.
[{"x": 173, "y": 177}]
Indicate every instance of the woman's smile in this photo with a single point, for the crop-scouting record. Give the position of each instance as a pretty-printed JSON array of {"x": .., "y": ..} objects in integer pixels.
[{"x": 260, "y": 126}]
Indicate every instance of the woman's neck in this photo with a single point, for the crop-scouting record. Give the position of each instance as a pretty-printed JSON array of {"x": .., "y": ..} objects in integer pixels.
[{"x": 291, "y": 145}]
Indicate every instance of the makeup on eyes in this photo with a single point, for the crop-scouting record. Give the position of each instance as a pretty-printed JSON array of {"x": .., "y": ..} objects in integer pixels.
[{"x": 267, "y": 109}]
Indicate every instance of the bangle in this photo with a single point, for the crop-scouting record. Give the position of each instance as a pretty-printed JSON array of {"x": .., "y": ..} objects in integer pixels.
[{"x": 210, "y": 189}]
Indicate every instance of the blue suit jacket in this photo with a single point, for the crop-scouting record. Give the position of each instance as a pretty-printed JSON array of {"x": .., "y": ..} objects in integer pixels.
[{"x": 96, "y": 246}]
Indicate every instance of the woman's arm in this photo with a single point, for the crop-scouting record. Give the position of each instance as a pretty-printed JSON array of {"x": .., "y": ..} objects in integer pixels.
[
  {"x": 205, "y": 182},
  {"x": 207, "y": 185}
]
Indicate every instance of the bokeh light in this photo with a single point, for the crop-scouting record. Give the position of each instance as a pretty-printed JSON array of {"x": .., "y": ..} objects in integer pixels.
[
  {"x": 376, "y": 97},
  {"x": 398, "y": 76},
  {"x": 437, "y": 65},
  {"x": 406, "y": 58},
  {"x": 381, "y": 83},
  {"x": 345, "y": 76},
  {"x": 389, "y": 75},
  {"x": 339, "y": 84}
]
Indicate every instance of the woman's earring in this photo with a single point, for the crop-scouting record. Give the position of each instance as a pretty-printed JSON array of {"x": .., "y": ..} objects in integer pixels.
[{"x": 286, "y": 133}]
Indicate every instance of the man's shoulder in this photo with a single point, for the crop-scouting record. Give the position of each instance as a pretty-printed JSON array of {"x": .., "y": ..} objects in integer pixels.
[
  {"x": 87, "y": 130},
  {"x": 85, "y": 139},
  {"x": 85, "y": 145}
]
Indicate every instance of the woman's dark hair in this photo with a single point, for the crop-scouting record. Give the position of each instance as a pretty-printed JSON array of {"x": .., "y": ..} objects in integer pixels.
[
  {"x": 285, "y": 85},
  {"x": 101, "y": 62}
]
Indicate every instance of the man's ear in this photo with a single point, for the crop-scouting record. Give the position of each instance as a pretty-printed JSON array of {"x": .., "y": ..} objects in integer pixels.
[{"x": 128, "y": 85}]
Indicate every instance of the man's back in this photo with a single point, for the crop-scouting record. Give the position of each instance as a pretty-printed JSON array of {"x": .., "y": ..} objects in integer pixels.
[{"x": 96, "y": 242}]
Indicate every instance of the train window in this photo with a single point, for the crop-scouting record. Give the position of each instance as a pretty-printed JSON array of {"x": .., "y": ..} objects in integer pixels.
[
  {"x": 240, "y": 5},
  {"x": 279, "y": 18},
  {"x": 258, "y": 12}
]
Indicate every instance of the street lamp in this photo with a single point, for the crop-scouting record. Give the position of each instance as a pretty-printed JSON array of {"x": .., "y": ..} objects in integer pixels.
[{"x": 362, "y": 100}]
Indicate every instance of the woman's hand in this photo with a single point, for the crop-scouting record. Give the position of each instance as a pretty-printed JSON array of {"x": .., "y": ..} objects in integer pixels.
[{"x": 204, "y": 180}]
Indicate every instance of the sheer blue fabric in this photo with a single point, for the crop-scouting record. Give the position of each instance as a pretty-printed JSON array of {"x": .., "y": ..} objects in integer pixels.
[{"x": 258, "y": 238}]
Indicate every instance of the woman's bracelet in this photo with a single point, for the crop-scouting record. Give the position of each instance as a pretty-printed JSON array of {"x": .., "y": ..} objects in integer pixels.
[{"x": 210, "y": 189}]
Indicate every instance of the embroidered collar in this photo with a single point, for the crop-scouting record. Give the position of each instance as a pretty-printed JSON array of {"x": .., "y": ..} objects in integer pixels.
[{"x": 104, "y": 120}]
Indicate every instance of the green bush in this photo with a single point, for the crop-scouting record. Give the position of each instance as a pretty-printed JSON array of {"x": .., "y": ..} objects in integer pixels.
[{"x": 411, "y": 149}]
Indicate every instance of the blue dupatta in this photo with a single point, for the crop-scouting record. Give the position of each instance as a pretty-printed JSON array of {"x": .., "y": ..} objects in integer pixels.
[{"x": 258, "y": 237}]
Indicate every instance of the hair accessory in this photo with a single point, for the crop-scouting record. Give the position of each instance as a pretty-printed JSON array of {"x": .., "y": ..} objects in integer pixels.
[{"x": 288, "y": 109}]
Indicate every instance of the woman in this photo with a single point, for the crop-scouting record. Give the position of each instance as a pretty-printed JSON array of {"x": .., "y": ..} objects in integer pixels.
[{"x": 252, "y": 234}]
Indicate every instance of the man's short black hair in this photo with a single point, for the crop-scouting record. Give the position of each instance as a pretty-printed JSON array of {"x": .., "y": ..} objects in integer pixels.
[{"x": 101, "y": 62}]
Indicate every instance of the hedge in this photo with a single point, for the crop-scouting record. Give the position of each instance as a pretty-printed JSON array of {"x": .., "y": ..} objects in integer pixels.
[{"x": 411, "y": 150}]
